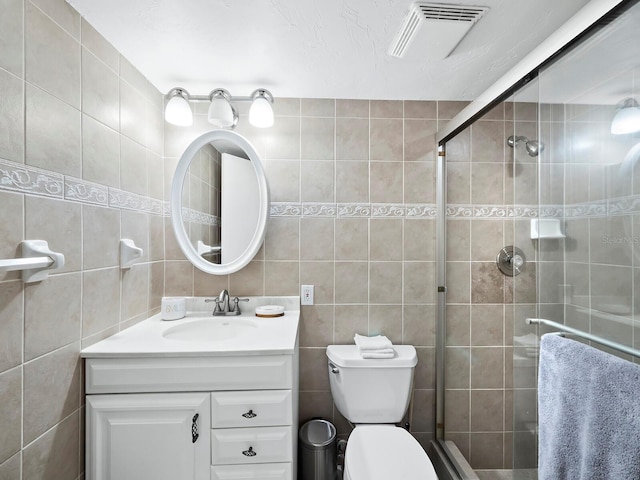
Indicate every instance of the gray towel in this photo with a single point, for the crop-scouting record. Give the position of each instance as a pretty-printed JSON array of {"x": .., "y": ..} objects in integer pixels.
[{"x": 589, "y": 413}]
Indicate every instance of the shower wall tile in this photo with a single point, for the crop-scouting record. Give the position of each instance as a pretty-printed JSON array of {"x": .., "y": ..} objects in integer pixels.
[
  {"x": 449, "y": 109},
  {"x": 386, "y": 109},
  {"x": 386, "y": 320},
  {"x": 352, "y": 182},
  {"x": 352, "y": 108},
  {"x": 352, "y": 139},
  {"x": 419, "y": 240},
  {"x": 96, "y": 44},
  {"x": 133, "y": 178},
  {"x": 488, "y": 140},
  {"x": 317, "y": 138},
  {"x": 317, "y": 181},
  {"x": 10, "y": 413},
  {"x": 282, "y": 278},
  {"x": 419, "y": 325},
  {"x": 12, "y": 36},
  {"x": 100, "y": 295},
  {"x": 317, "y": 107},
  {"x": 11, "y": 324},
  {"x": 50, "y": 48},
  {"x": 54, "y": 302},
  {"x": 486, "y": 450},
  {"x": 101, "y": 154},
  {"x": 53, "y": 133},
  {"x": 284, "y": 179},
  {"x": 382, "y": 139},
  {"x": 12, "y": 122},
  {"x": 386, "y": 182},
  {"x": 420, "y": 109},
  {"x": 51, "y": 390},
  {"x": 12, "y": 217},
  {"x": 419, "y": 140},
  {"x": 60, "y": 223},
  {"x": 279, "y": 144},
  {"x": 133, "y": 113},
  {"x": 55, "y": 454},
  {"x": 352, "y": 282},
  {"x": 458, "y": 183},
  {"x": 351, "y": 239},
  {"x": 487, "y": 183},
  {"x": 419, "y": 183}
]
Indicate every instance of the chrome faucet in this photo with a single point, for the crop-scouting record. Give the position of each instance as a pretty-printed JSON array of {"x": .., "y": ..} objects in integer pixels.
[
  {"x": 223, "y": 301},
  {"x": 223, "y": 304}
]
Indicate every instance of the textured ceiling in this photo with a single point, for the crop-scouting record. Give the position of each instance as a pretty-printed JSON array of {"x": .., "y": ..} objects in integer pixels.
[{"x": 316, "y": 48}]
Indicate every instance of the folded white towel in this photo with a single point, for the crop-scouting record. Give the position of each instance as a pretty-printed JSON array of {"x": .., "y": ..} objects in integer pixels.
[
  {"x": 379, "y": 342},
  {"x": 371, "y": 354}
]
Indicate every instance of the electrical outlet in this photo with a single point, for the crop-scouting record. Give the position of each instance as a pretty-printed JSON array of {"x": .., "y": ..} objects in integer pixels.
[{"x": 306, "y": 294}]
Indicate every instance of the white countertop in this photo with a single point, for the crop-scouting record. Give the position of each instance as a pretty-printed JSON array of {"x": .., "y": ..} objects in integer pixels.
[{"x": 267, "y": 336}]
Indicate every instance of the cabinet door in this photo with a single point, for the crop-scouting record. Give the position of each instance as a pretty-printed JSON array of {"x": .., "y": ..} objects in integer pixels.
[{"x": 159, "y": 436}]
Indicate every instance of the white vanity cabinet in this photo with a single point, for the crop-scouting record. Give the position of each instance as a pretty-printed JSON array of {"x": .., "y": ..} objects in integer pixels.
[{"x": 173, "y": 418}]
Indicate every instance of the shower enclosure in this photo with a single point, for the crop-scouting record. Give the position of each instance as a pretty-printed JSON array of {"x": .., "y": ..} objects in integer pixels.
[{"x": 540, "y": 170}]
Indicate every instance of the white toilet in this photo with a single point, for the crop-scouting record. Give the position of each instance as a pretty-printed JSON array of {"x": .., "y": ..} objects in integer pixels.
[{"x": 374, "y": 394}]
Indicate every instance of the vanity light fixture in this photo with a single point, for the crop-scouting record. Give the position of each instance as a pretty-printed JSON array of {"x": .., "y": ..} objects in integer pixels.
[
  {"x": 178, "y": 111},
  {"x": 627, "y": 117},
  {"x": 221, "y": 111},
  {"x": 261, "y": 113}
]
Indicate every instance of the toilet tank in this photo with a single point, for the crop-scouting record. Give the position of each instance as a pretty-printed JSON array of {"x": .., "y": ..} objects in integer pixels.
[{"x": 371, "y": 390}]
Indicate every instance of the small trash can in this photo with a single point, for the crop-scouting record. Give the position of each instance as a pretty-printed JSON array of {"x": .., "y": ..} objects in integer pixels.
[{"x": 317, "y": 452}]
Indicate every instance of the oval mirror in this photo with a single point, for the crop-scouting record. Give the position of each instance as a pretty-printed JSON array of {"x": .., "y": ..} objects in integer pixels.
[{"x": 219, "y": 202}]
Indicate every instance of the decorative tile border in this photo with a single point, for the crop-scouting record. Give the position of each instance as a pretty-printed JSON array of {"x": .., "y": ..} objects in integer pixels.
[
  {"x": 394, "y": 210},
  {"x": 17, "y": 177},
  {"x": 202, "y": 218},
  {"x": 79, "y": 190}
]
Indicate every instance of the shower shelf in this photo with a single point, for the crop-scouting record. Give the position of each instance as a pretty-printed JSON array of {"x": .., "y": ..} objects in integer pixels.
[
  {"x": 36, "y": 263},
  {"x": 546, "y": 228}
]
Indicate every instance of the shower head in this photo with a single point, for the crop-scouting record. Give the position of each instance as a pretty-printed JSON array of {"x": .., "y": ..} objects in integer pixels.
[{"x": 533, "y": 147}]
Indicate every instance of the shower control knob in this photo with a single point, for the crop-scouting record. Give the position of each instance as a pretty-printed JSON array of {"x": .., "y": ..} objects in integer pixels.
[
  {"x": 511, "y": 261},
  {"x": 517, "y": 261}
]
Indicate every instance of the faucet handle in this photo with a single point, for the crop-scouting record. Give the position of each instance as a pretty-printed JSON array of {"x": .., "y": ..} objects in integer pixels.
[
  {"x": 217, "y": 308},
  {"x": 236, "y": 307}
]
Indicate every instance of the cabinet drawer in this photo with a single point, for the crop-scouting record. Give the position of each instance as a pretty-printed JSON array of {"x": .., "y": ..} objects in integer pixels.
[
  {"x": 267, "y": 471},
  {"x": 251, "y": 409},
  {"x": 251, "y": 445},
  {"x": 188, "y": 374}
]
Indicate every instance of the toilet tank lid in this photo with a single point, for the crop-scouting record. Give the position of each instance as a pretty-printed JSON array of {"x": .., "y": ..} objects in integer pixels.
[{"x": 349, "y": 356}]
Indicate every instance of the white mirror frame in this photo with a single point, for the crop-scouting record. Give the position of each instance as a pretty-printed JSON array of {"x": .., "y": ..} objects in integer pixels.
[{"x": 179, "y": 176}]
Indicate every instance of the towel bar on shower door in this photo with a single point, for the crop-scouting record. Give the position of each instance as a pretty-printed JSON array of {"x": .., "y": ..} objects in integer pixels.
[{"x": 587, "y": 336}]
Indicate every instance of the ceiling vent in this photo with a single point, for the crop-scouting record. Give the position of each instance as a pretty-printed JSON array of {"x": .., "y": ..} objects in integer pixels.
[{"x": 445, "y": 25}]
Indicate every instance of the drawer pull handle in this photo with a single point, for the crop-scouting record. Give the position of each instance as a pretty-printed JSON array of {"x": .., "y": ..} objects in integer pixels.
[
  {"x": 250, "y": 414},
  {"x": 194, "y": 428},
  {"x": 249, "y": 453}
]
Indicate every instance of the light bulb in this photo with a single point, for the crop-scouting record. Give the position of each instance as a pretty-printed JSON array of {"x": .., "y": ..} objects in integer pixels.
[
  {"x": 261, "y": 112},
  {"x": 221, "y": 113},
  {"x": 627, "y": 120},
  {"x": 178, "y": 111}
]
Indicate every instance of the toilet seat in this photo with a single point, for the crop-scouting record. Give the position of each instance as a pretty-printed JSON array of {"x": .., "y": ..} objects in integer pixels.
[{"x": 386, "y": 452}]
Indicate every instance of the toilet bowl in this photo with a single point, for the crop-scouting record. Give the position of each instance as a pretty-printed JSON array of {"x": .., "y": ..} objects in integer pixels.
[{"x": 374, "y": 395}]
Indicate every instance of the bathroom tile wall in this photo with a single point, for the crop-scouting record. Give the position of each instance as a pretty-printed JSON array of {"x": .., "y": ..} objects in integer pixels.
[
  {"x": 81, "y": 155},
  {"x": 353, "y": 191},
  {"x": 491, "y": 192}
]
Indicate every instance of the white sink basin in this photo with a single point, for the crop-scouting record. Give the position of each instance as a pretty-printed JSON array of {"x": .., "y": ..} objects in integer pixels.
[{"x": 210, "y": 329}]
